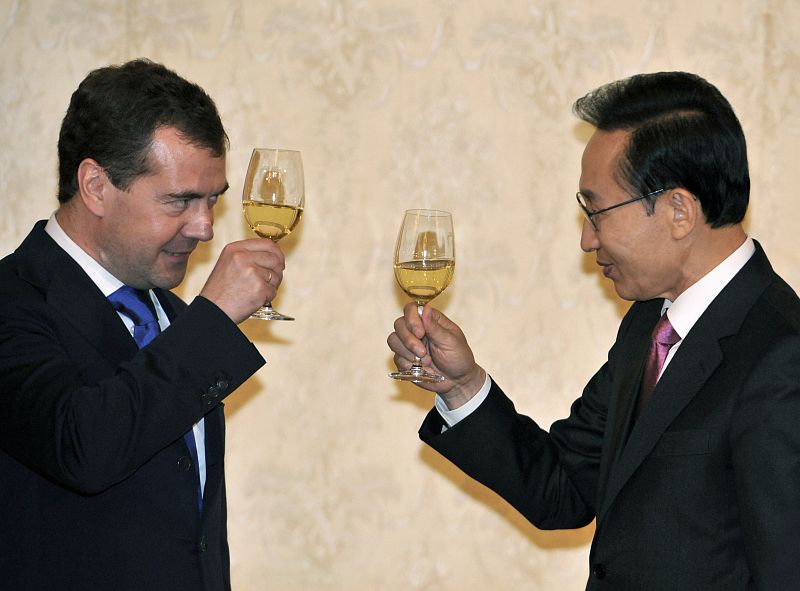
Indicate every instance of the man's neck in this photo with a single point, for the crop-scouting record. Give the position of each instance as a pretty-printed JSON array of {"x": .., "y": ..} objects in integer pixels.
[
  {"x": 709, "y": 248},
  {"x": 71, "y": 222}
]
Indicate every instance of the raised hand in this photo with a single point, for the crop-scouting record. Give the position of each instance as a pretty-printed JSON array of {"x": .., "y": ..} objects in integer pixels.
[
  {"x": 448, "y": 353},
  {"x": 247, "y": 274}
]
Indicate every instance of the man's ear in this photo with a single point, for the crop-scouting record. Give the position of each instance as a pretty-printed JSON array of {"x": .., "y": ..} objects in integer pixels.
[
  {"x": 686, "y": 213},
  {"x": 93, "y": 186}
]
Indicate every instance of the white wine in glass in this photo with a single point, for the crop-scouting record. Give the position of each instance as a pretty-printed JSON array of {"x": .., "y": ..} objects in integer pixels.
[
  {"x": 273, "y": 199},
  {"x": 424, "y": 263}
]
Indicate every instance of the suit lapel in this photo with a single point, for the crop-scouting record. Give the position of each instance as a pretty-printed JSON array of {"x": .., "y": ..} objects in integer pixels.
[
  {"x": 694, "y": 362},
  {"x": 627, "y": 385},
  {"x": 170, "y": 303},
  {"x": 632, "y": 352},
  {"x": 81, "y": 303},
  {"x": 70, "y": 291}
]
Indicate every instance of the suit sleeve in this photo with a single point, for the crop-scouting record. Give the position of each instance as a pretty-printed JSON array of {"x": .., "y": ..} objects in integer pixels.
[
  {"x": 86, "y": 425},
  {"x": 765, "y": 451},
  {"x": 550, "y": 478}
]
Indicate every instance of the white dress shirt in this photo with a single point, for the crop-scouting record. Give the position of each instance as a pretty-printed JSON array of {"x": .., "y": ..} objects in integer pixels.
[
  {"x": 108, "y": 284},
  {"x": 683, "y": 314}
]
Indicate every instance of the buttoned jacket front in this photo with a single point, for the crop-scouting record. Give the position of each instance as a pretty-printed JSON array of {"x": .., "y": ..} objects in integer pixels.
[{"x": 97, "y": 487}]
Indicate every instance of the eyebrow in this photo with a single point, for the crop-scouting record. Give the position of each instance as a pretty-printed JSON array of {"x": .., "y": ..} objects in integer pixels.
[
  {"x": 194, "y": 194},
  {"x": 590, "y": 195}
]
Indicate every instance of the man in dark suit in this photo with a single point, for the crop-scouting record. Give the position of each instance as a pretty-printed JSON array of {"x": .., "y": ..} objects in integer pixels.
[
  {"x": 685, "y": 445},
  {"x": 112, "y": 428}
]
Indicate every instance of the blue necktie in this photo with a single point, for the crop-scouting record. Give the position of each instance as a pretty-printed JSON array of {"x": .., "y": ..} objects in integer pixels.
[{"x": 137, "y": 305}]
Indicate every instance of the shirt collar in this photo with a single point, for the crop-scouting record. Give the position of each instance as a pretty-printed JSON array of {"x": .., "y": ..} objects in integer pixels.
[
  {"x": 687, "y": 308},
  {"x": 104, "y": 280}
]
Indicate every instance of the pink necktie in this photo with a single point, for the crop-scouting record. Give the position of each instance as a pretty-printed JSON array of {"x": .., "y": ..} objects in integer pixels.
[{"x": 663, "y": 338}]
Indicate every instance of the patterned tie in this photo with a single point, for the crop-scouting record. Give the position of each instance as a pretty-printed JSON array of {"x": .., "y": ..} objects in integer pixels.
[
  {"x": 663, "y": 338},
  {"x": 137, "y": 305}
]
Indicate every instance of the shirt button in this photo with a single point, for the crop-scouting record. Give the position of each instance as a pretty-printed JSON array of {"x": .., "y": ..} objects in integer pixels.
[{"x": 599, "y": 571}]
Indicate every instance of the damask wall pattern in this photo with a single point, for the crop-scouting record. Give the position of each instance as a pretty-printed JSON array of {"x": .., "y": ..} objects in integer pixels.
[{"x": 462, "y": 105}]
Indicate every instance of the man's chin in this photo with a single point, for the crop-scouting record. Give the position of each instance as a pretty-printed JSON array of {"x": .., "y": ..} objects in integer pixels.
[
  {"x": 624, "y": 293},
  {"x": 171, "y": 278}
]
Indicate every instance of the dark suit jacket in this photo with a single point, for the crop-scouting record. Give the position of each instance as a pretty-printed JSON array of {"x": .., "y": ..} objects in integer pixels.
[
  {"x": 97, "y": 488},
  {"x": 703, "y": 491}
]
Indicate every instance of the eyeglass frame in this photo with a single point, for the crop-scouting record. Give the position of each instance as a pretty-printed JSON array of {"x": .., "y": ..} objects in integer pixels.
[{"x": 591, "y": 214}]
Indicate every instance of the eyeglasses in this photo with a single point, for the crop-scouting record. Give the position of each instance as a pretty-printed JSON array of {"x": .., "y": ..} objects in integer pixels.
[{"x": 590, "y": 214}]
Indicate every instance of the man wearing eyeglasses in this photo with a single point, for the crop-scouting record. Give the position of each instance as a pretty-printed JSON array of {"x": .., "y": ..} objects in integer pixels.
[{"x": 685, "y": 445}]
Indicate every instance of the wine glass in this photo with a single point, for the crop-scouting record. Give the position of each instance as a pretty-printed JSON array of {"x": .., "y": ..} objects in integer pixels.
[
  {"x": 273, "y": 199},
  {"x": 424, "y": 263}
]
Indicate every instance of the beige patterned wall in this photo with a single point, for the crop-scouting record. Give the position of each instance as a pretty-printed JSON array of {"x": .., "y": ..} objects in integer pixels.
[{"x": 461, "y": 105}]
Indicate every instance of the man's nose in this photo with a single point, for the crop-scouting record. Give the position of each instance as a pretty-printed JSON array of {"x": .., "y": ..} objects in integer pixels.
[
  {"x": 201, "y": 224},
  {"x": 589, "y": 241}
]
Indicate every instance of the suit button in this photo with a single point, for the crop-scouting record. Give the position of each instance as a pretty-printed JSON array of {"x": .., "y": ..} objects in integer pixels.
[
  {"x": 222, "y": 384},
  {"x": 202, "y": 545},
  {"x": 599, "y": 571},
  {"x": 184, "y": 464},
  {"x": 213, "y": 392}
]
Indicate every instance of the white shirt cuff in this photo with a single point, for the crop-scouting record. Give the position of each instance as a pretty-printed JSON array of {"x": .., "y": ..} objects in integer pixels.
[{"x": 451, "y": 417}]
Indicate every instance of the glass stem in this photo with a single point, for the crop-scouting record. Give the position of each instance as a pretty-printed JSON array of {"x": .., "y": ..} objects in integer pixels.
[{"x": 417, "y": 365}]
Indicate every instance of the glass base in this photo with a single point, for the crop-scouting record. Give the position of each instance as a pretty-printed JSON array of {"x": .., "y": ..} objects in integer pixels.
[
  {"x": 266, "y": 312},
  {"x": 416, "y": 374}
]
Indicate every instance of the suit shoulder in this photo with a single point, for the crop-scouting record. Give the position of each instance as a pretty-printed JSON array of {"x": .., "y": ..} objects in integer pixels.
[
  {"x": 8, "y": 265},
  {"x": 12, "y": 286},
  {"x": 779, "y": 307}
]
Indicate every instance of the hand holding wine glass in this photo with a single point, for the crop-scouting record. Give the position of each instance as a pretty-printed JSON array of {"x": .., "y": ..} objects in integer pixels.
[
  {"x": 424, "y": 263},
  {"x": 273, "y": 199}
]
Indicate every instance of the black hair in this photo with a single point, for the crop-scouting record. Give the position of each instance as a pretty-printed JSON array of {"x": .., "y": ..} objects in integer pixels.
[{"x": 683, "y": 134}]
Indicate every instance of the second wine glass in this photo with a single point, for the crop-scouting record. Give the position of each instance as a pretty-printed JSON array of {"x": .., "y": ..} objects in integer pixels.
[
  {"x": 424, "y": 263},
  {"x": 273, "y": 199}
]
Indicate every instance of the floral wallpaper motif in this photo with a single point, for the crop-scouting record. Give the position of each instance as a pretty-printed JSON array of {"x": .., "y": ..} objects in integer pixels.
[
  {"x": 344, "y": 50},
  {"x": 457, "y": 104}
]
